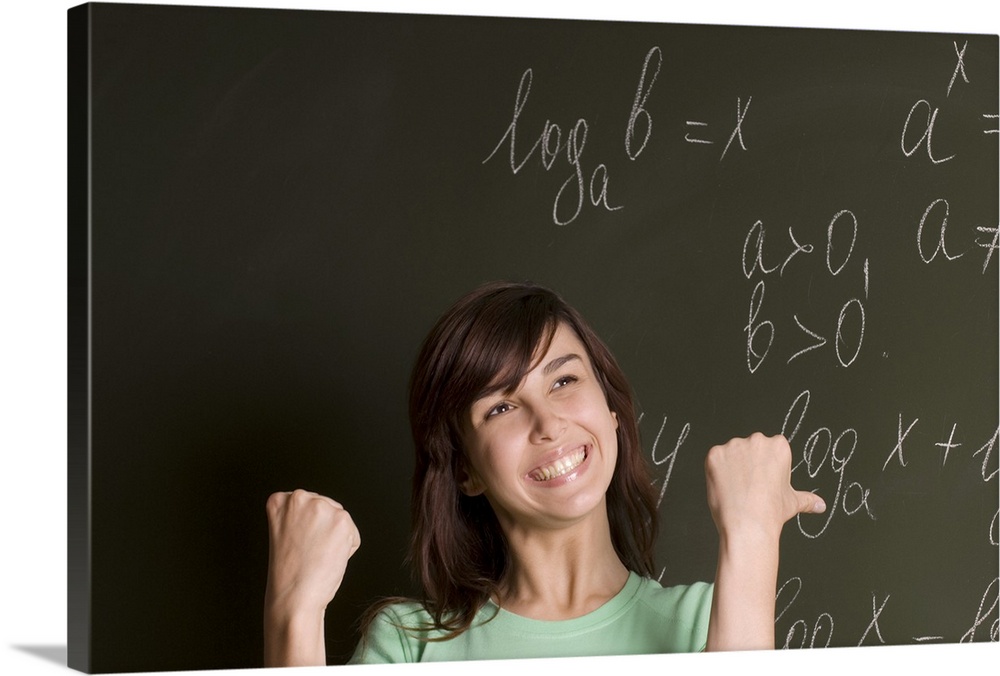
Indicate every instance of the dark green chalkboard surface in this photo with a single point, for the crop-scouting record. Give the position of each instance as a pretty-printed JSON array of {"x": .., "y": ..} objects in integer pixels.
[{"x": 784, "y": 230}]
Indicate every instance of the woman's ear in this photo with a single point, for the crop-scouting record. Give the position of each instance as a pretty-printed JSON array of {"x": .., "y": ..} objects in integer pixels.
[
  {"x": 615, "y": 416},
  {"x": 468, "y": 481}
]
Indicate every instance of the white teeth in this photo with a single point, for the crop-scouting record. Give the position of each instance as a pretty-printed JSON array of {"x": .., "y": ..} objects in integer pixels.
[{"x": 561, "y": 466}]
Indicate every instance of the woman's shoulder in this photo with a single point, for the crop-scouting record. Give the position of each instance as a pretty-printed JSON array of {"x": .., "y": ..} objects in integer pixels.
[
  {"x": 399, "y": 630},
  {"x": 393, "y": 632},
  {"x": 406, "y": 617},
  {"x": 681, "y": 599},
  {"x": 398, "y": 609},
  {"x": 681, "y": 612}
]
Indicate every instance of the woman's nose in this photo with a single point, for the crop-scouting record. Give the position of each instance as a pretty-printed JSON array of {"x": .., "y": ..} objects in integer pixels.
[{"x": 547, "y": 424}]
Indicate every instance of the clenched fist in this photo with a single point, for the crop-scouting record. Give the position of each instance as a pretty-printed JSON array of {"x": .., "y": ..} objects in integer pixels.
[
  {"x": 312, "y": 538},
  {"x": 749, "y": 486}
]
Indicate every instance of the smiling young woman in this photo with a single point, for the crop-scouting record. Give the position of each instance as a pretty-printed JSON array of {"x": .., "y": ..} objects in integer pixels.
[
  {"x": 543, "y": 454},
  {"x": 534, "y": 517}
]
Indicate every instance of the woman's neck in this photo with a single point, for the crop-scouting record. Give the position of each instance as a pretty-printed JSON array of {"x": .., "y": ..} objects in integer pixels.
[{"x": 561, "y": 574}]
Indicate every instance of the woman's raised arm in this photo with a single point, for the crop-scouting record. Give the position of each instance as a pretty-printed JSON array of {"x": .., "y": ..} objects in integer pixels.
[
  {"x": 311, "y": 539},
  {"x": 751, "y": 497}
]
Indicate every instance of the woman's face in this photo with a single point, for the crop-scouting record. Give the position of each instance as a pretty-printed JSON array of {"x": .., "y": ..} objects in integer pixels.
[{"x": 544, "y": 454}]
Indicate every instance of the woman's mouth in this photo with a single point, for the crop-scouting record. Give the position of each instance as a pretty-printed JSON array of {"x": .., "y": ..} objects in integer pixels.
[{"x": 560, "y": 467}]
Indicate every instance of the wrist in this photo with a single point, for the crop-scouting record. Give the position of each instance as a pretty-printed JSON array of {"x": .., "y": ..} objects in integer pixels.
[
  {"x": 750, "y": 549},
  {"x": 287, "y": 612},
  {"x": 286, "y": 600},
  {"x": 293, "y": 636},
  {"x": 750, "y": 530}
]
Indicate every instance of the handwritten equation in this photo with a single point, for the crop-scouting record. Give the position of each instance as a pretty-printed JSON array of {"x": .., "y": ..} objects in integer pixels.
[
  {"x": 984, "y": 622},
  {"x": 932, "y": 239},
  {"x": 561, "y": 145}
]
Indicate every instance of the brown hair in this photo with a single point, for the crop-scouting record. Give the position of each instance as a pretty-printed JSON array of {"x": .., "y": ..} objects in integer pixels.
[{"x": 488, "y": 339}]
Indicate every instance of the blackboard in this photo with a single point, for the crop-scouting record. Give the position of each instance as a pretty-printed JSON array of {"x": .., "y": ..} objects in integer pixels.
[{"x": 785, "y": 230}]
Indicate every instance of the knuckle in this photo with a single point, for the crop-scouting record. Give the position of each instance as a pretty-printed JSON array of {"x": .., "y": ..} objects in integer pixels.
[
  {"x": 343, "y": 526},
  {"x": 275, "y": 501},
  {"x": 343, "y": 518},
  {"x": 713, "y": 457}
]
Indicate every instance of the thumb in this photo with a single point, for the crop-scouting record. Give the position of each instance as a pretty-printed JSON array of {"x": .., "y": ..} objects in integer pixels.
[{"x": 809, "y": 503}]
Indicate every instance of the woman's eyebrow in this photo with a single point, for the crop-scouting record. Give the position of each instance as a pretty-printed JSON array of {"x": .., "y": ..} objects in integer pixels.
[
  {"x": 559, "y": 362},
  {"x": 553, "y": 365}
]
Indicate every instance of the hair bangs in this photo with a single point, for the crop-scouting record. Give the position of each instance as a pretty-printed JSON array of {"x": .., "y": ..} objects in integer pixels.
[{"x": 501, "y": 347}]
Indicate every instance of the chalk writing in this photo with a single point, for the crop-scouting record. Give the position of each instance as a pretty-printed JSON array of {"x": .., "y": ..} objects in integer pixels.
[
  {"x": 987, "y": 451},
  {"x": 859, "y": 312},
  {"x": 639, "y": 111},
  {"x": 799, "y": 248},
  {"x": 756, "y": 233},
  {"x": 838, "y": 465},
  {"x": 991, "y": 130},
  {"x": 990, "y": 246},
  {"x": 691, "y": 139},
  {"x": 859, "y": 497},
  {"x": 754, "y": 356},
  {"x": 670, "y": 457},
  {"x": 797, "y": 582},
  {"x": 852, "y": 219},
  {"x": 898, "y": 449},
  {"x": 874, "y": 621},
  {"x": 753, "y": 247},
  {"x": 849, "y": 331},
  {"x": 813, "y": 466},
  {"x": 523, "y": 90},
  {"x": 940, "y": 245},
  {"x": 804, "y": 397},
  {"x": 550, "y": 145},
  {"x": 818, "y": 447},
  {"x": 823, "y": 623},
  {"x": 948, "y": 445},
  {"x": 741, "y": 113},
  {"x": 823, "y": 627},
  {"x": 735, "y": 135},
  {"x": 982, "y": 616},
  {"x": 927, "y": 132},
  {"x": 758, "y": 263},
  {"x": 799, "y": 634},
  {"x": 959, "y": 66},
  {"x": 821, "y": 341}
]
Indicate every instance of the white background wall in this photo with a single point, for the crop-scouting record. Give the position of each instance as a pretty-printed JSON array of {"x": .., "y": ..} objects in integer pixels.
[{"x": 33, "y": 324}]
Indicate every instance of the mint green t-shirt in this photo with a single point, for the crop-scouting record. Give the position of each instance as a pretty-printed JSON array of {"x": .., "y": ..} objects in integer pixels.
[{"x": 643, "y": 618}]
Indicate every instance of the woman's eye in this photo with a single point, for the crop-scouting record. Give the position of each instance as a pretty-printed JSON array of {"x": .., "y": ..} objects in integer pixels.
[
  {"x": 564, "y": 381},
  {"x": 502, "y": 407}
]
